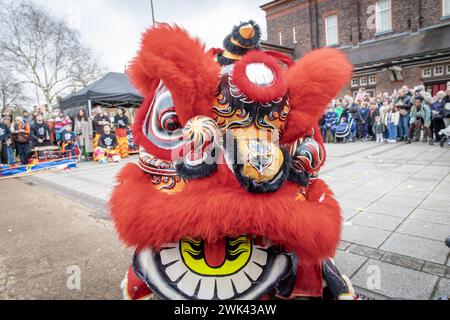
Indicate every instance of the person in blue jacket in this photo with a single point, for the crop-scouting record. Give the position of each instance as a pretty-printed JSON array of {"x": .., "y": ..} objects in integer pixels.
[
  {"x": 329, "y": 123},
  {"x": 363, "y": 120}
]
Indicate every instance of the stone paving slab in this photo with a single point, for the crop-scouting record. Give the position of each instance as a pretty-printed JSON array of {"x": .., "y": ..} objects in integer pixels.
[
  {"x": 366, "y": 236},
  {"x": 440, "y": 217},
  {"x": 423, "y": 229},
  {"x": 394, "y": 281},
  {"x": 348, "y": 262},
  {"x": 403, "y": 201},
  {"x": 436, "y": 205},
  {"x": 430, "y": 250},
  {"x": 375, "y": 220},
  {"x": 392, "y": 209}
]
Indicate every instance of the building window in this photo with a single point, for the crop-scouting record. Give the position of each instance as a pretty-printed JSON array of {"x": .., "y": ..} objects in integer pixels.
[
  {"x": 280, "y": 35},
  {"x": 331, "y": 30},
  {"x": 383, "y": 16},
  {"x": 448, "y": 69},
  {"x": 426, "y": 72},
  {"x": 445, "y": 8},
  {"x": 363, "y": 81},
  {"x": 438, "y": 70},
  {"x": 294, "y": 35},
  {"x": 373, "y": 80},
  {"x": 355, "y": 83}
]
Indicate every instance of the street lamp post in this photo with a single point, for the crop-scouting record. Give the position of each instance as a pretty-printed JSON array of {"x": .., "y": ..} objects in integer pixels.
[{"x": 153, "y": 12}]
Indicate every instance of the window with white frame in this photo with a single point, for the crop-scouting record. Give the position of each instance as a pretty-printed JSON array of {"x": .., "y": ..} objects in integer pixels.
[
  {"x": 445, "y": 8},
  {"x": 383, "y": 18},
  {"x": 355, "y": 83},
  {"x": 448, "y": 69},
  {"x": 280, "y": 36},
  {"x": 373, "y": 80},
  {"x": 438, "y": 70},
  {"x": 294, "y": 35},
  {"x": 363, "y": 81},
  {"x": 426, "y": 72},
  {"x": 331, "y": 30}
]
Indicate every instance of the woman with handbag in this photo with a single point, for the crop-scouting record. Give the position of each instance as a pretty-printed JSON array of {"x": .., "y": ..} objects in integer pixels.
[
  {"x": 85, "y": 135},
  {"x": 21, "y": 137}
]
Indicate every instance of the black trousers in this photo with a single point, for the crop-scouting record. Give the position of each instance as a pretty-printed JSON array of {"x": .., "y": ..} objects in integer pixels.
[
  {"x": 23, "y": 149},
  {"x": 3, "y": 153},
  {"x": 437, "y": 125}
]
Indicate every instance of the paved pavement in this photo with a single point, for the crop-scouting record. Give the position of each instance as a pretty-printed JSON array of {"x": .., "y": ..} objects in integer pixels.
[
  {"x": 396, "y": 207},
  {"x": 49, "y": 242}
]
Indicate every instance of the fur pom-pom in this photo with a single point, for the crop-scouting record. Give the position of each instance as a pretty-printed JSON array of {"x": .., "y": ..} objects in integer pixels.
[{"x": 169, "y": 54}]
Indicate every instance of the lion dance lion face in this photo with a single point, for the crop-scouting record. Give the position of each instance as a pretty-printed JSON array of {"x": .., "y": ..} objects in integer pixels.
[{"x": 228, "y": 169}]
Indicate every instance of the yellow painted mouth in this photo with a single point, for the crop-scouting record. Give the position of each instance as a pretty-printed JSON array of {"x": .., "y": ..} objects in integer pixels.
[{"x": 238, "y": 253}]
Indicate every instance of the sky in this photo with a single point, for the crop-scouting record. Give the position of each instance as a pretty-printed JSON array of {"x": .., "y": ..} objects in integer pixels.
[{"x": 113, "y": 27}]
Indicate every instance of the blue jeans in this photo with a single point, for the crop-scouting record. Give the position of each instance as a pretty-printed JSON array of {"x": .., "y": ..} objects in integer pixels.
[
  {"x": 10, "y": 155},
  {"x": 392, "y": 128},
  {"x": 403, "y": 126}
]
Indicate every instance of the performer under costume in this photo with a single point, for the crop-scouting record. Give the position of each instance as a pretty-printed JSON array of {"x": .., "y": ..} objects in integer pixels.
[
  {"x": 226, "y": 202},
  {"x": 121, "y": 124}
]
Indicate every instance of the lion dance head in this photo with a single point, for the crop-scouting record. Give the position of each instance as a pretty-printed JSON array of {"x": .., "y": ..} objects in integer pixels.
[{"x": 225, "y": 201}]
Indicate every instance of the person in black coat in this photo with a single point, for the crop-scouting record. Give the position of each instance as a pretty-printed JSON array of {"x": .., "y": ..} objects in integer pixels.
[
  {"x": 40, "y": 133},
  {"x": 5, "y": 136},
  {"x": 404, "y": 109}
]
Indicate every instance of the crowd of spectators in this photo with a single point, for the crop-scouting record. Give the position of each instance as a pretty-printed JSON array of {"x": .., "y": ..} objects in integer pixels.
[
  {"x": 22, "y": 135},
  {"x": 407, "y": 114}
]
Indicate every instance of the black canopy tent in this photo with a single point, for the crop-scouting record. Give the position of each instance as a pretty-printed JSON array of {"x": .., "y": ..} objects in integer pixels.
[{"x": 113, "y": 90}]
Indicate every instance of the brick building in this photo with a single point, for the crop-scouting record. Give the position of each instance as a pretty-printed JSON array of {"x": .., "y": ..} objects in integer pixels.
[{"x": 390, "y": 42}]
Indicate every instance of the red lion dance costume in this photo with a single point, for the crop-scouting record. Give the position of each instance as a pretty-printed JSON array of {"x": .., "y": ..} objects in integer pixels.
[{"x": 225, "y": 202}]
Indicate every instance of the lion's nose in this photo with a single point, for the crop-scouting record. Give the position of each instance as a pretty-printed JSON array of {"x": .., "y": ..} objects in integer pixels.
[{"x": 260, "y": 164}]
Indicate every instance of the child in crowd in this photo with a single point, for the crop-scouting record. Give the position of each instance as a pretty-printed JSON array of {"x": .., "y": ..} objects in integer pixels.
[
  {"x": 68, "y": 141},
  {"x": 107, "y": 147},
  {"x": 329, "y": 125},
  {"x": 378, "y": 129},
  {"x": 392, "y": 121}
]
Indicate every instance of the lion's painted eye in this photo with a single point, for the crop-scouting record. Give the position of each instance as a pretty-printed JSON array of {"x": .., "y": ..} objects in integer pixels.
[
  {"x": 162, "y": 123},
  {"x": 221, "y": 99},
  {"x": 169, "y": 121}
]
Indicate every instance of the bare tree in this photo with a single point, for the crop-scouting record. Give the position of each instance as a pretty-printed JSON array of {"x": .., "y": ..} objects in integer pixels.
[
  {"x": 44, "y": 50},
  {"x": 11, "y": 90}
]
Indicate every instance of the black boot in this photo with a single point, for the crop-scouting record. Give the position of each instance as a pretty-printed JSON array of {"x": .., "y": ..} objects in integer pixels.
[{"x": 409, "y": 141}]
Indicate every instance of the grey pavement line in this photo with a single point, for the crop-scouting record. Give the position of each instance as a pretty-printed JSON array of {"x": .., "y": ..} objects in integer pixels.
[{"x": 100, "y": 207}]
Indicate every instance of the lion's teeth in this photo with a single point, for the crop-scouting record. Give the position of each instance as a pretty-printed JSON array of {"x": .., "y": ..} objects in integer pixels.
[
  {"x": 241, "y": 282},
  {"x": 260, "y": 257},
  {"x": 170, "y": 255},
  {"x": 253, "y": 271},
  {"x": 207, "y": 288},
  {"x": 189, "y": 283},
  {"x": 224, "y": 288},
  {"x": 175, "y": 271}
]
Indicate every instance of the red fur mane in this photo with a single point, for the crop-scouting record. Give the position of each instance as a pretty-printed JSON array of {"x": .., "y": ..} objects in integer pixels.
[{"x": 313, "y": 82}]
